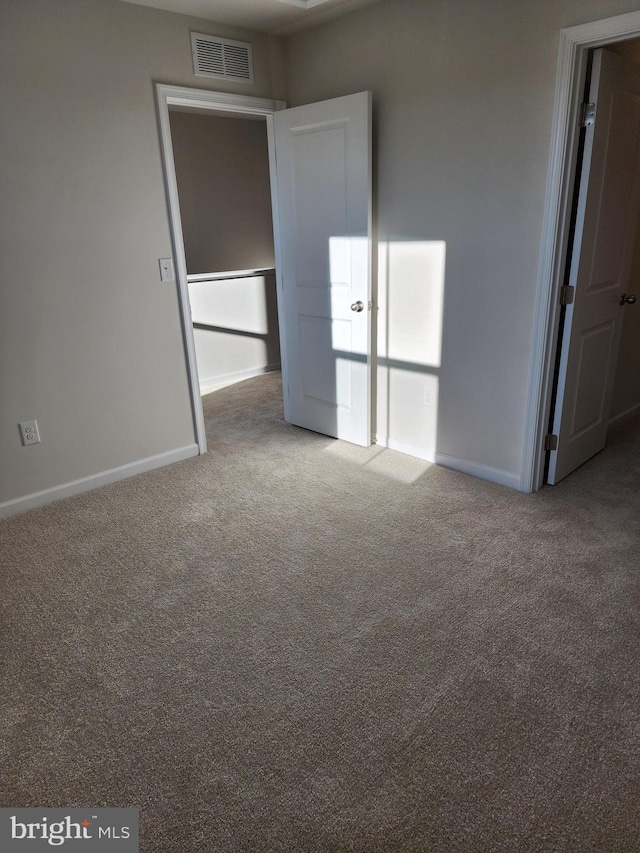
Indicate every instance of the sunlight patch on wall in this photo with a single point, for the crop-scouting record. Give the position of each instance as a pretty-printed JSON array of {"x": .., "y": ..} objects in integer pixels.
[
  {"x": 237, "y": 304},
  {"x": 411, "y": 277},
  {"x": 411, "y": 297}
]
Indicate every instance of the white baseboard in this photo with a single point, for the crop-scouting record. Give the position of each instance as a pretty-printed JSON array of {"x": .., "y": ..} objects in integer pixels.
[
  {"x": 404, "y": 447},
  {"x": 238, "y": 376},
  {"x": 627, "y": 415},
  {"x": 484, "y": 472},
  {"x": 87, "y": 484}
]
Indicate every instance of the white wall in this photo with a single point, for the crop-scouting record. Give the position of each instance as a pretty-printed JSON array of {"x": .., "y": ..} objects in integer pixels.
[
  {"x": 90, "y": 340},
  {"x": 222, "y": 169},
  {"x": 235, "y": 328},
  {"x": 463, "y": 98}
]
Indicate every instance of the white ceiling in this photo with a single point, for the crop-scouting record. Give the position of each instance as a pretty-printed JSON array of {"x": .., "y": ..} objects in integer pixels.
[{"x": 272, "y": 16}]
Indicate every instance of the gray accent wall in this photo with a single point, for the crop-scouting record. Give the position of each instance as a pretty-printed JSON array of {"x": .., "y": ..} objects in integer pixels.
[{"x": 222, "y": 169}]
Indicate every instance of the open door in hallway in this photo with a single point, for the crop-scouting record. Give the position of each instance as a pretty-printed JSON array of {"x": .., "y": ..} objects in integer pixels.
[
  {"x": 322, "y": 211},
  {"x": 606, "y": 222}
]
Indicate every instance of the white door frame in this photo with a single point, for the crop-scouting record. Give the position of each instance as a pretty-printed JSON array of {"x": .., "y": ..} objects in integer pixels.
[
  {"x": 220, "y": 102},
  {"x": 575, "y": 42}
]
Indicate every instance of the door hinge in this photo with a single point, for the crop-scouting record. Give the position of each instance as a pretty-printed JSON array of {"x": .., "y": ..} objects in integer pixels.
[
  {"x": 588, "y": 114},
  {"x": 551, "y": 442},
  {"x": 567, "y": 292}
]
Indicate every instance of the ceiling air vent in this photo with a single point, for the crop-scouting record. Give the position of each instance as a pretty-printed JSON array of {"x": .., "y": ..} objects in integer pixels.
[{"x": 222, "y": 58}]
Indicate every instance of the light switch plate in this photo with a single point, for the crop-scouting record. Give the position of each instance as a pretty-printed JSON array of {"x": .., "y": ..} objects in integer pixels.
[{"x": 166, "y": 269}]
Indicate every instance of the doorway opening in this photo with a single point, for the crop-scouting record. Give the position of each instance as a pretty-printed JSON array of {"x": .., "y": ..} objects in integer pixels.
[
  {"x": 320, "y": 174},
  {"x": 576, "y": 47},
  {"x": 596, "y": 313},
  {"x": 222, "y": 173},
  {"x": 175, "y": 103}
]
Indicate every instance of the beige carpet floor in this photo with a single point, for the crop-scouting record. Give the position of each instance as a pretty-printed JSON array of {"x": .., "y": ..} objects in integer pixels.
[{"x": 292, "y": 644}]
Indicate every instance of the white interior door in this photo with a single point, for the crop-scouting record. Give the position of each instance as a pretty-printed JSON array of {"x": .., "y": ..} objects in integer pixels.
[
  {"x": 322, "y": 205},
  {"x": 608, "y": 207}
]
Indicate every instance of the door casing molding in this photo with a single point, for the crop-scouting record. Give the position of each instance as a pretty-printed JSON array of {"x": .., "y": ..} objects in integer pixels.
[
  {"x": 219, "y": 102},
  {"x": 575, "y": 42}
]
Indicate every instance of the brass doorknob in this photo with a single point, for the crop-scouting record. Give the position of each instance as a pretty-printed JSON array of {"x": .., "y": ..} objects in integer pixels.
[
  {"x": 630, "y": 299},
  {"x": 359, "y": 306}
]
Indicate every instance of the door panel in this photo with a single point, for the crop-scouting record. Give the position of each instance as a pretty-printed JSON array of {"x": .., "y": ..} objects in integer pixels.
[
  {"x": 606, "y": 222},
  {"x": 319, "y": 189},
  {"x": 617, "y": 191},
  {"x": 323, "y": 177},
  {"x": 595, "y": 354},
  {"x": 319, "y": 376}
]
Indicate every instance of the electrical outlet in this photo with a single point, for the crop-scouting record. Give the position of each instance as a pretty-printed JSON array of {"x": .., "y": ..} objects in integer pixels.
[
  {"x": 166, "y": 269},
  {"x": 430, "y": 398},
  {"x": 29, "y": 432}
]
